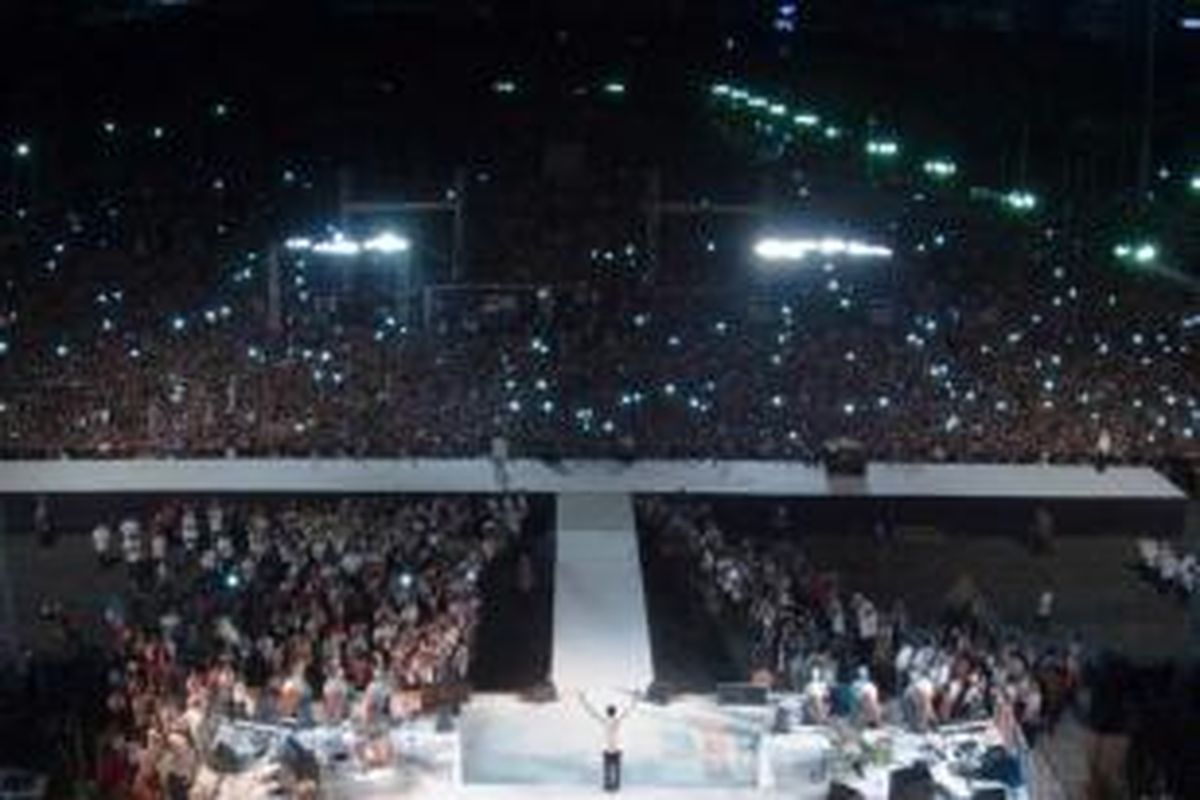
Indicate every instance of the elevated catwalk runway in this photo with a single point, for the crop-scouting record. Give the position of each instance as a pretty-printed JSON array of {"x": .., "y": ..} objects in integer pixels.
[
  {"x": 601, "y": 630},
  {"x": 595, "y": 477}
]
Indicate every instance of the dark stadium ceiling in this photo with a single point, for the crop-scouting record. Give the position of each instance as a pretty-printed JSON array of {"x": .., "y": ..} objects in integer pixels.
[{"x": 1095, "y": 20}]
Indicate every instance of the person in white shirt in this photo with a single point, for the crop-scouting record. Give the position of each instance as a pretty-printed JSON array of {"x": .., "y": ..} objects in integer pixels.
[
  {"x": 216, "y": 518},
  {"x": 918, "y": 704},
  {"x": 189, "y": 530},
  {"x": 1188, "y": 569},
  {"x": 158, "y": 546},
  {"x": 1104, "y": 446},
  {"x": 102, "y": 542},
  {"x": 224, "y": 546},
  {"x": 1147, "y": 555},
  {"x": 131, "y": 541},
  {"x": 866, "y": 699},
  {"x": 1045, "y": 608},
  {"x": 611, "y": 720},
  {"x": 837, "y": 618},
  {"x": 816, "y": 699},
  {"x": 1168, "y": 566},
  {"x": 868, "y": 627}
]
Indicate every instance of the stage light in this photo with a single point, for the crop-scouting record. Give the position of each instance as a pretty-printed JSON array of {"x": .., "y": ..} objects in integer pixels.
[
  {"x": 807, "y": 120},
  {"x": 298, "y": 243},
  {"x": 1194, "y": 183},
  {"x": 22, "y": 149},
  {"x": 614, "y": 88},
  {"x": 833, "y": 132},
  {"x": 777, "y": 110},
  {"x": 109, "y": 127},
  {"x": 504, "y": 87},
  {"x": 721, "y": 90}
]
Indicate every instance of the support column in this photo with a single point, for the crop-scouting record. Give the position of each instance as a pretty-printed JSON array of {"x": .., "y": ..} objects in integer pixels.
[{"x": 9, "y": 644}]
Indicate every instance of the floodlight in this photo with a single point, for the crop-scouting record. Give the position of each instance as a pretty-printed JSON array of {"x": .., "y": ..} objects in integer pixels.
[
  {"x": 883, "y": 148},
  {"x": 339, "y": 245},
  {"x": 799, "y": 249},
  {"x": 386, "y": 243},
  {"x": 940, "y": 168},
  {"x": 1020, "y": 200}
]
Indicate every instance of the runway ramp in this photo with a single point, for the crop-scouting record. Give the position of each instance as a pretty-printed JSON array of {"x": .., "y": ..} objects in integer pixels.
[{"x": 601, "y": 630}]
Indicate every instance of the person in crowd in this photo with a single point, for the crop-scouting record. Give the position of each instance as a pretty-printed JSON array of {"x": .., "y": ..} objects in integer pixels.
[
  {"x": 102, "y": 545},
  {"x": 869, "y": 709},
  {"x": 1166, "y": 569},
  {"x": 1045, "y": 608},
  {"x": 816, "y": 699}
]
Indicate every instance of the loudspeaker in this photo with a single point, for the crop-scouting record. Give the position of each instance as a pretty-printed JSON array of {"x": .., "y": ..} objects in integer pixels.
[
  {"x": 990, "y": 794},
  {"x": 543, "y": 692},
  {"x": 741, "y": 694},
  {"x": 845, "y": 457},
  {"x": 912, "y": 783},
  {"x": 298, "y": 759},
  {"x": 1000, "y": 766},
  {"x": 224, "y": 760},
  {"x": 840, "y": 791},
  {"x": 659, "y": 693}
]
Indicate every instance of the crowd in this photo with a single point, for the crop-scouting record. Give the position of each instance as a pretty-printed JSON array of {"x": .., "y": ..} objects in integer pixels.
[
  {"x": 1166, "y": 569},
  {"x": 846, "y": 657},
  {"x": 300, "y": 613},
  {"x": 949, "y": 378}
]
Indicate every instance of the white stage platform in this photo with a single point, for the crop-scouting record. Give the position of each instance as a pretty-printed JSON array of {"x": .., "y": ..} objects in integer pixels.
[
  {"x": 601, "y": 628},
  {"x": 508, "y": 749},
  {"x": 764, "y": 478}
]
